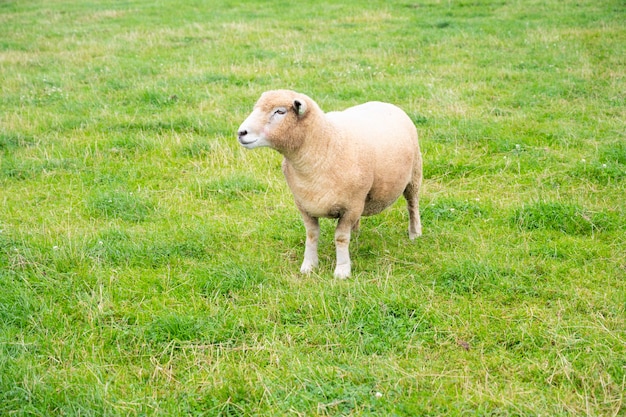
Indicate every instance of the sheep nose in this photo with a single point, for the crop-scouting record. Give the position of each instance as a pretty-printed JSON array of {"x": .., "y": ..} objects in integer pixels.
[{"x": 242, "y": 133}]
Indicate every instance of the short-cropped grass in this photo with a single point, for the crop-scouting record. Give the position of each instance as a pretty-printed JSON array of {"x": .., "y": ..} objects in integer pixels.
[{"x": 149, "y": 264}]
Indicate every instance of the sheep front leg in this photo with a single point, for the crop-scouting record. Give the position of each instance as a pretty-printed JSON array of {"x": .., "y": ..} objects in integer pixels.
[
  {"x": 342, "y": 244},
  {"x": 312, "y": 227}
]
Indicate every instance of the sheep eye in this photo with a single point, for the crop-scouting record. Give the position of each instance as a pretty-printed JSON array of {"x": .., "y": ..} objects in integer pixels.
[{"x": 280, "y": 111}]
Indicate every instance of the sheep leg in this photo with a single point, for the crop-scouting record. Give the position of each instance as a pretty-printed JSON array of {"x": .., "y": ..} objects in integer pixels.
[
  {"x": 312, "y": 227},
  {"x": 411, "y": 194},
  {"x": 342, "y": 244}
]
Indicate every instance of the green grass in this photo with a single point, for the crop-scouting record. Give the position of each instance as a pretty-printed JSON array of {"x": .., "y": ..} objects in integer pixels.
[{"x": 149, "y": 264}]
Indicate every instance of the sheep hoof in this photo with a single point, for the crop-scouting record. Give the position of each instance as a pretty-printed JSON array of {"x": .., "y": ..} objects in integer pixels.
[
  {"x": 342, "y": 271},
  {"x": 415, "y": 234},
  {"x": 307, "y": 267}
]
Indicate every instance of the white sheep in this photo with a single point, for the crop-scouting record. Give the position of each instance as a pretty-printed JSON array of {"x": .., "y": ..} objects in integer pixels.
[{"x": 341, "y": 165}]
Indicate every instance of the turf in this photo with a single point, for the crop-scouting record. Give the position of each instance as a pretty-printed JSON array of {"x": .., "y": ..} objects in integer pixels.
[{"x": 149, "y": 264}]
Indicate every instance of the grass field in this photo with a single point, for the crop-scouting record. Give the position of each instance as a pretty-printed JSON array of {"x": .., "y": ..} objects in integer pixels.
[{"x": 149, "y": 264}]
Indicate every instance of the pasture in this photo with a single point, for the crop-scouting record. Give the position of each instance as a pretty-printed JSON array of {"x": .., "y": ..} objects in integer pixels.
[{"x": 149, "y": 265}]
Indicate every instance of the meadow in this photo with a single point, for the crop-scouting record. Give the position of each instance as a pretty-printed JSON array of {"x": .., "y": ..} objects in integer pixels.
[{"x": 149, "y": 265}]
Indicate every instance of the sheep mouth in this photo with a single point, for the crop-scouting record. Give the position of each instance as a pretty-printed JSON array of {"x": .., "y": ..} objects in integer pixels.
[{"x": 249, "y": 142}]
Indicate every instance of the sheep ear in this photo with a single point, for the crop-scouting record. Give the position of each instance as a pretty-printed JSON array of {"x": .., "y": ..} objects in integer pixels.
[{"x": 299, "y": 106}]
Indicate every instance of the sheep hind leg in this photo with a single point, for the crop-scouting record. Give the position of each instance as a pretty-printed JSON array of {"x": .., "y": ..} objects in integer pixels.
[
  {"x": 312, "y": 227},
  {"x": 411, "y": 194}
]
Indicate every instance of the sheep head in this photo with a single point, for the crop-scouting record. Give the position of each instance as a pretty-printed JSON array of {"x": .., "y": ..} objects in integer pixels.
[{"x": 276, "y": 121}]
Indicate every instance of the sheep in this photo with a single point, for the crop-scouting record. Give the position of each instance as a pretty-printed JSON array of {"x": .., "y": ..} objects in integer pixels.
[{"x": 341, "y": 165}]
